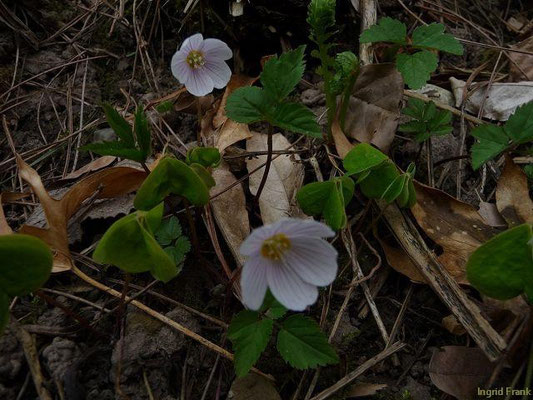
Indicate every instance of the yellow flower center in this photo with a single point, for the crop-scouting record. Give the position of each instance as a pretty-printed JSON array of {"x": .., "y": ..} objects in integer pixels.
[
  {"x": 195, "y": 59},
  {"x": 275, "y": 246}
]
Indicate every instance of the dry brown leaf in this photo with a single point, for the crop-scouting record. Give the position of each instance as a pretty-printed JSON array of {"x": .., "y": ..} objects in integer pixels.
[
  {"x": 278, "y": 199},
  {"x": 229, "y": 210},
  {"x": 342, "y": 144},
  {"x": 374, "y": 108},
  {"x": 398, "y": 259},
  {"x": 455, "y": 226},
  {"x": 230, "y": 133},
  {"x": 459, "y": 371},
  {"x": 453, "y": 326},
  {"x": 109, "y": 183},
  {"x": 93, "y": 166},
  {"x": 253, "y": 387},
  {"x": 524, "y": 61},
  {"x": 236, "y": 81},
  {"x": 512, "y": 195},
  {"x": 5, "y": 229},
  {"x": 363, "y": 389},
  {"x": 490, "y": 214}
]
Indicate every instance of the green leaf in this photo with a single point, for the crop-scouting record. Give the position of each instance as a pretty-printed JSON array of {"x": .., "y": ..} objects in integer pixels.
[
  {"x": 129, "y": 244},
  {"x": 519, "y": 126},
  {"x": 249, "y": 334},
  {"x": 492, "y": 141},
  {"x": 171, "y": 176},
  {"x": 117, "y": 149},
  {"x": 168, "y": 231},
  {"x": 427, "y": 120},
  {"x": 26, "y": 262},
  {"x": 379, "y": 180},
  {"x": 204, "y": 175},
  {"x": 362, "y": 158},
  {"x": 416, "y": 68},
  {"x": 296, "y": 117},
  {"x": 271, "y": 307},
  {"x": 303, "y": 345},
  {"x": 164, "y": 106},
  {"x": 502, "y": 267},
  {"x": 142, "y": 132},
  {"x": 4, "y": 311},
  {"x": 395, "y": 188},
  {"x": 281, "y": 75},
  {"x": 249, "y": 104},
  {"x": 346, "y": 67},
  {"x": 119, "y": 125},
  {"x": 432, "y": 36},
  {"x": 206, "y": 156},
  {"x": 386, "y": 30},
  {"x": 321, "y": 17}
]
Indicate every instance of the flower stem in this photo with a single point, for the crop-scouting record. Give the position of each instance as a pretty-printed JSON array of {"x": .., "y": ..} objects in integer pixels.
[{"x": 268, "y": 162}]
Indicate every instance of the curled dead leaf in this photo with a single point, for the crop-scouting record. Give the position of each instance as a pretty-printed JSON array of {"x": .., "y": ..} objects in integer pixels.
[
  {"x": 236, "y": 81},
  {"x": 342, "y": 144},
  {"x": 398, "y": 259},
  {"x": 512, "y": 195},
  {"x": 278, "y": 199}
]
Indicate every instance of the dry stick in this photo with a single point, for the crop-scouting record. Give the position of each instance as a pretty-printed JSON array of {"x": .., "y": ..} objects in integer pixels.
[
  {"x": 359, "y": 371},
  {"x": 164, "y": 319},
  {"x": 368, "y": 18},
  {"x": 268, "y": 163},
  {"x": 32, "y": 357},
  {"x": 466, "y": 312}
]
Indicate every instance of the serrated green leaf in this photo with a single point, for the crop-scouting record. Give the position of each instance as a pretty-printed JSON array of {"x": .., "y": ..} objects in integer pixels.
[
  {"x": 363, "y": 157},
  {"x": 249, "y": 334},
  {"x": 249, "y": 104},
  {"x": 502, "y": 267},
  {"x": 4, "y": 311},
  {"x": 303, "y": 345},
  {"x": 171, "y": 176},
  {"x": 119, "y": 125},
  {"x": 142, "y": 132},
  {"x": 492, "y": 141},
  {"x": 427, "y": 120},
  {"x": 130, "y": 245},
  {"x": 117, "y": 149},
  {"x": 432, "y": 36},
  {"x": 346, "y": 65},
  {"x": 519, "y": 126},
  {"x": 321, "y": 17},
  {"x": 296, "y": 117},
  {"x": 281, "y": 75},
  {"x": 168, "y": 231},
  {"x": 386, "y": 30},
  {"x": 416, "y": 68},
  {"x": 26, "y": 264},
  {"x": 206, "y": 156}
]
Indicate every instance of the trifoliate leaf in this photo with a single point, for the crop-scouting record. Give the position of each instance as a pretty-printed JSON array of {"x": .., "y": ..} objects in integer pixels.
[
  {"x": 502, "y": 267},
  {"x": 206, "y": 156},
  {"x": 249, "y": 104},
  {"x": 427, "y": 120},
  {"x": 281, "y": 75},
  {"x": 249, "y": 334},
  {"x": 296, "y": 117},
  {"x": 26, "y": 264},
  {"x": 432, "y": 36},
  {"x": 386, "y": 30},
  {"x": 363, "y": 157},
  {"x": 379, "y": 180},
  {"x": 519, "y": 126},
  {"x": 416, "y": 68},
  {"x": 492, "y": 140},
  {"x": 303, "y": 345},
  {"x": 168, "y": 231},
  {"x": 4, "y": 311}
]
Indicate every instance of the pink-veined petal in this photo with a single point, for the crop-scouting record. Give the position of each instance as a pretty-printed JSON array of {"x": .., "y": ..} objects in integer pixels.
[
  {"x": 194, "y": 42},
  {"x": 314, "y": 260},
  {"x": 199, "y": 83},
  {"x": 219, "y": 72},
  {"x": 215, "y": 49},
  {"x": 254, "y": 282},
  {"x": 289, "y": 289},
  {"x": 252, "y": 244},
  {"x": 293, "y": 228},
  {"x": 180, "y": 68}
]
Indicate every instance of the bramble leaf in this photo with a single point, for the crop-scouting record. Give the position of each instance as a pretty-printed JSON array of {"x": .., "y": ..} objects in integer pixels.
[
  {"x": 249, "y": 104},
  {"x": 281, "y": 74},
  {"x": 427, "y": 120},
  {"x": 296, "y": 117},
  {"x": 432, "y": 36},
  {"x": 346, "y": 65},
  {"x": 168, "y": 231},
  {"x": 172, "y": 176},
  {"x": 502, "y": 267},
  {"x": 386, "y": 30},
  {"x": 119, "y": 125},
  {"x": 26, "y": 264},
  {"x": 303, "y": 345},
  {"x": 519, "y": 126},
  {"x": 249, "y": 334},
  {"x": 416, "y": 68}
]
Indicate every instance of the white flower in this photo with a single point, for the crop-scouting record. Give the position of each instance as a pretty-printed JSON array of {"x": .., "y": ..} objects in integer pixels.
[
  {"x": 200, "y": 64},
  {"x": 291, "y": 258}
]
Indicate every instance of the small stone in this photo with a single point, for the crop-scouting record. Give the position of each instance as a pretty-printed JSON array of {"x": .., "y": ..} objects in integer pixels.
[{"x": 104, "y": 135}]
